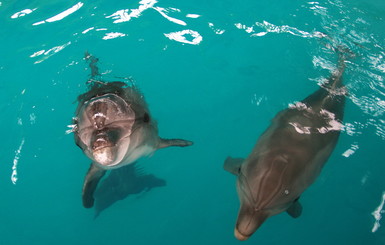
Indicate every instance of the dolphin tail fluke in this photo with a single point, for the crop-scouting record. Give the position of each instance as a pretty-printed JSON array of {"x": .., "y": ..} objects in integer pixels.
[
  {"x": 174, "y": 142},
  {"x": 295, "y": 210},
  {"x": 344, "y": 54},
  {"x": 91, "y": 181},
  {"x": 233, "y": 165}
]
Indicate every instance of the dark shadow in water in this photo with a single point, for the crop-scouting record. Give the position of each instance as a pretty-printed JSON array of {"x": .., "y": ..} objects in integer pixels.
[{"x": 121, "y": 183}]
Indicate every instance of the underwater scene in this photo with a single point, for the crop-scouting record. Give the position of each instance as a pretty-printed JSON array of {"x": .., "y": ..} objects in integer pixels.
[{"x": 192, "y": 122}]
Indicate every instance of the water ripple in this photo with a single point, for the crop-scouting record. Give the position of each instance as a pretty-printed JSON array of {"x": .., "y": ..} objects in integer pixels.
[
  {"x": 365, "y": 74},
  {"x": 45, "y": 54},
  {"x": 123, "y": 15},
  {"x": 271, "y": 28},
  {"x": 61, "y": 15}
]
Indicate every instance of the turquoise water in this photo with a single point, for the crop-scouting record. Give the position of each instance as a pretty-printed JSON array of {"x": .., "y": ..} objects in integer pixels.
[{"x": 214, "y": 72}]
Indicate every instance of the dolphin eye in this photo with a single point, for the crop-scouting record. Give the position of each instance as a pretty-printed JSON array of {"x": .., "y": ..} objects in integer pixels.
[{"x": 146, "y": 118}]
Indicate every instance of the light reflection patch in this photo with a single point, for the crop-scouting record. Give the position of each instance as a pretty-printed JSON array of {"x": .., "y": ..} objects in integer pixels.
[
  {"x": 377, "y": 214},
  {"x": 22, "y": 13},
  {"x": 61, "y": 15},
  {"x": 163, "y": 12},
  {"x": 181, "y": 36},
  {"x": 271, "y": 28},
  {"x": 16, "y": 161},
  {"x": 46, "y": 54},
  {"x": 124, "y": 15},
  {"x": 113, "y": 35}
]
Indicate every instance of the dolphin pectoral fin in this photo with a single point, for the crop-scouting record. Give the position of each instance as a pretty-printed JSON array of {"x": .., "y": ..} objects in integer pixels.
[
  {"x": 233, "y": 165},
  {"x": 91, "y": 181},
  {"x": 295, "y": 209},
  {"x": 174, "y": 142}
]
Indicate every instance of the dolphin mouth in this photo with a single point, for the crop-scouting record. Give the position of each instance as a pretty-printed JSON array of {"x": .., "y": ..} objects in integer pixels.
[
  {"x": 103, "y": 149},
  {"x": 240, "y": 236},
  {"x": 101, "y": 140},
  {"x": 104, "y": 155},
  {"x": 99, "y": 147}
]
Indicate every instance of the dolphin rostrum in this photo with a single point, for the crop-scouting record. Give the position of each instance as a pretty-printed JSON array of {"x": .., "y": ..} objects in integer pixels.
[
  {"x": 288, "y": 156},
  {"x": 114, "y": 128}
]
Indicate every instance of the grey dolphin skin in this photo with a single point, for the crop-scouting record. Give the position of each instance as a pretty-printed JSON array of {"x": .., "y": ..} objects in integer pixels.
[
  {"x": 114, "y": 128},
  {"x": 288, "y": 156}
]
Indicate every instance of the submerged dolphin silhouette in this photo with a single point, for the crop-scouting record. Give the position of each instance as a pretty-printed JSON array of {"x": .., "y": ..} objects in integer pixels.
[
  {"x": 114, "y": 128},
  {"x": 288, "y": 156},
  {"x": 121, "y": 183}
]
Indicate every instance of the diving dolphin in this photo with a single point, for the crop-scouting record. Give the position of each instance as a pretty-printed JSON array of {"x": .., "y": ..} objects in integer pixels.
[
  {"x": 114, "y": 128},
  {"x": 288, "y": 156}
]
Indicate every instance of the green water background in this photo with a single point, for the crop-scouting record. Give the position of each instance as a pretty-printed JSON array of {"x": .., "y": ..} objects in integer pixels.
[{"x": 254, "y": 58}]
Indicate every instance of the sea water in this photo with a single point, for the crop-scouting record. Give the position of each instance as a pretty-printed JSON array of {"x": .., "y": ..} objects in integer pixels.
[{"x": 214, "y": 72}]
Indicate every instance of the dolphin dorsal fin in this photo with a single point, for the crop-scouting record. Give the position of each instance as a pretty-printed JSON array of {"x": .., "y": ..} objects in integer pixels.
[
  {"x": 174, "y": 142},
  {"x": 295, "y": 209},
  {"x": 233, "y": 165}
]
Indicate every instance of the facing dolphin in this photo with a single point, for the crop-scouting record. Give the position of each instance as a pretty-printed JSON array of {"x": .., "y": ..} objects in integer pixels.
[
  {"x": 114, "y": 128},
  {"x": 288, "y": 156}
]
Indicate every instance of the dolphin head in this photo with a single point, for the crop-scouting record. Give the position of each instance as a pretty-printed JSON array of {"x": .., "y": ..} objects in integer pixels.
[
  {"x": 250, "y": 217},
  {"x": 104, "y": 125},
  {"x": 260, "y": 185},
  {"x": 249, "y": 220}
]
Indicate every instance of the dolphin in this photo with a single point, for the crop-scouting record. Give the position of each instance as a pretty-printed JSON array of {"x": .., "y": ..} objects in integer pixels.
[
  {"x": 288, "y": 156},
  {"x": 114, "y": 128}
]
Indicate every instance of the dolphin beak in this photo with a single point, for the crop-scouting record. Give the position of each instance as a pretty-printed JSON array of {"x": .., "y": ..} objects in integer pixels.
[
  {"x": 248, "y": 221},
  {"x": 103, "y": 149},
  {"x": 104, "y": 155},
  {"x": 239, "y": 235}
]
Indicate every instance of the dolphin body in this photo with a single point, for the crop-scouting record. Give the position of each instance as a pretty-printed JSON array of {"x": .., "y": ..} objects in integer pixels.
[
  {"x": 114, "y": 128},
  {"x": 288, "y": 156}
]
